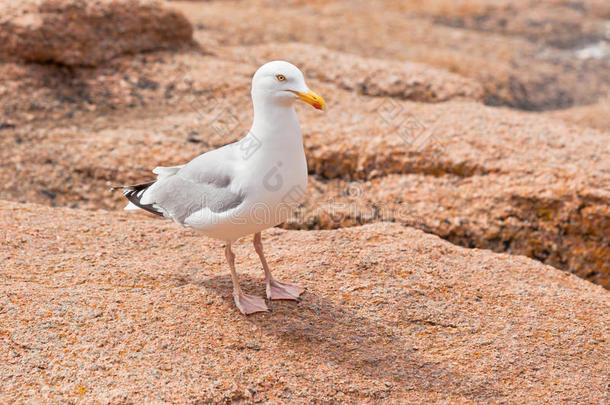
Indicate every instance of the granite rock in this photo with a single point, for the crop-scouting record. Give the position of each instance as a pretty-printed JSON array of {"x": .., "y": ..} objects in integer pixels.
[
  {"x": 87, "y": 32},
  {"x": 122, "y": 308}
]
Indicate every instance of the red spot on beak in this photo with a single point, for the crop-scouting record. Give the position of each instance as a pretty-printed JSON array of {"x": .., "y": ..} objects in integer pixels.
[{"x": 317, "y": 106}]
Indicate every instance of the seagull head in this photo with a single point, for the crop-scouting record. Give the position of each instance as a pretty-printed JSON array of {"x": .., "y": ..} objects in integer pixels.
[{"x": 282, "y": 83}]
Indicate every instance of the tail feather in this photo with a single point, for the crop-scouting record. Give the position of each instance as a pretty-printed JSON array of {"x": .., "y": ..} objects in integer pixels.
[
  {"x": 134, "y": 194},
  {"x": 162, "y": 171},
  {"x": 131, "y": 207}
]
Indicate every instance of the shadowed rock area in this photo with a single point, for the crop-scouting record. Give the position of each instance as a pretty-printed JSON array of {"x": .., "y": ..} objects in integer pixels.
[{"x": 131, "y": 309}]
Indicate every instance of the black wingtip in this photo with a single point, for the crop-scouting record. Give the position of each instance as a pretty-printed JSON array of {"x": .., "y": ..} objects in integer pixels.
[
  {"x": 134, "y": 194},
  {"x": 133, "y": 187}
]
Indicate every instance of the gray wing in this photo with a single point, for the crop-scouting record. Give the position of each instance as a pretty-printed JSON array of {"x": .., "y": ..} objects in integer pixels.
[
  {"x": 177, "y": 197},
  {"x": 205, "y": 182}
]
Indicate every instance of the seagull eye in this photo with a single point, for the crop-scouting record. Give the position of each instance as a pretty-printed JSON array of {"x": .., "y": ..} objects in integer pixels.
[{"x": 280, "y": 78}]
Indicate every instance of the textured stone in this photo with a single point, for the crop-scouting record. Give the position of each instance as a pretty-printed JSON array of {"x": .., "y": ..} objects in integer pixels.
[
  {"x": 475, "y": 175},
  {"x": 104, "y": 307},
  {"x": 505, "y": 45},
  {"x": 87, "y": 32},
  {"x": 368, "y": 76},
  {"x": 565, "y": 228},
  {"x": 595, "y": 115},
  {"x": 122, "y": 308}
]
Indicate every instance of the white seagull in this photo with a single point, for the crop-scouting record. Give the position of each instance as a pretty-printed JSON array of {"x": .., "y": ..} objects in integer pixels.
[{"x": 244, "y": 187}]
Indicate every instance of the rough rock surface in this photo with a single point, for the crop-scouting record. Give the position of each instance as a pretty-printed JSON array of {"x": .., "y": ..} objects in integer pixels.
[
  {"x": 114, "y": 308},
  {"x": 476, "y": 175},
  {"x": 506, "y": 45},
  {"x": 368, "y": 76},
  {"x": 565, "y": 228},
  {"x": 595, "y": 115},
  {"x": 105, "y": 307},
  {"x": 83, "y": 32}
]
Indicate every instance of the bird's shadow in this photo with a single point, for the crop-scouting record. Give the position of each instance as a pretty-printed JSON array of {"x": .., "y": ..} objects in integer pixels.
[{"x": 319, "y": 328}]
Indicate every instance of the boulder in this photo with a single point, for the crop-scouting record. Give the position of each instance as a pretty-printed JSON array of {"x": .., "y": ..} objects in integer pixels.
[
  {"x": 107, "y": 307},
  {"x": 87, "y": 32}
]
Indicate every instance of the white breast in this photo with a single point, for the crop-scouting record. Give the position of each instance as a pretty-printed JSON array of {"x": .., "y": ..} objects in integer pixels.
[{"x": 272, "y": 176}]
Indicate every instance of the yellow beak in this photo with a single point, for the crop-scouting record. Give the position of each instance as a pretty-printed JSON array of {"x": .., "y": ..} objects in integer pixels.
[{"x": 311, "y": 98}]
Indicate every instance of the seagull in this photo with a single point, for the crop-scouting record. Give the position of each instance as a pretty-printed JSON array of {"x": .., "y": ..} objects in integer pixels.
[{"x": 244, "y": 187}]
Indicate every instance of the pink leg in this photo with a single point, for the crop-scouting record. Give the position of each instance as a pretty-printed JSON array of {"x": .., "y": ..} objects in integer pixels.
[
  {"x": 276, "y": 290},
  {"x": 247, "y": 304}
]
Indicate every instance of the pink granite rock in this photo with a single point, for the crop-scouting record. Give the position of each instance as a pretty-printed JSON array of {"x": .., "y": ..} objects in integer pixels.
[
  {"x": 83, "y": 32},
  {"x": 115, "y": 308}
]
